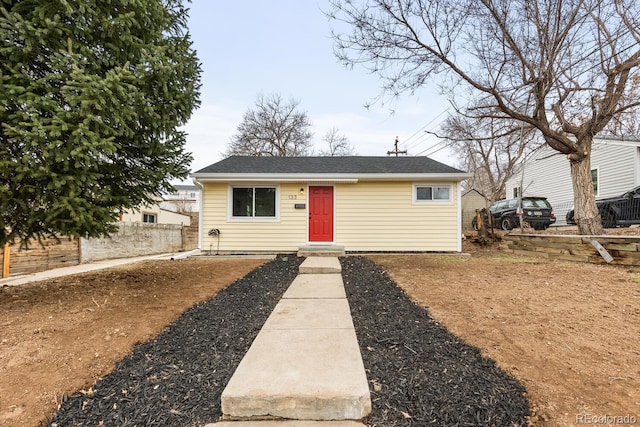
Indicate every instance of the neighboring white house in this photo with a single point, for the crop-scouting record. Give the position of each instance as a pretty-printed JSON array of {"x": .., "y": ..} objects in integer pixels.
[
  {"x": 154, "y": 214},
  {"x": 186, "y": 199},
  {"x": 615, "y": 169},
  {"x": 280, "y": 204}
]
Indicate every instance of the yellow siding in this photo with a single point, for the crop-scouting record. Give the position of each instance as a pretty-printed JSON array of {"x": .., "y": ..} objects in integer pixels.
[
  {"x": 381, "y": 216},
  {"x": 369, "y": 216},
  {"x": 285, "y": 235}
]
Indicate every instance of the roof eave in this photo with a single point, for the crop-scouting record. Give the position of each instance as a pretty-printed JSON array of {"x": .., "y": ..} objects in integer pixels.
[{"x": 327, "y": 177}]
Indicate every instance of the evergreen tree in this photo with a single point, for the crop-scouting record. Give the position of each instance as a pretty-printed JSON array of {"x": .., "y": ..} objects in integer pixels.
[{"x": 92, "y": 93}]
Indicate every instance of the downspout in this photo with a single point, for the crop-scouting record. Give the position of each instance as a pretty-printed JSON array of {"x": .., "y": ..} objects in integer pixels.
[
  {"x": 459, "y": 210},
  {"x": 201, "y": 213}
]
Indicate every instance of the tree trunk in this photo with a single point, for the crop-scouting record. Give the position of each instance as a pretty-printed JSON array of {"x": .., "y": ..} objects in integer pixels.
[{"x": 585, "y": 211}]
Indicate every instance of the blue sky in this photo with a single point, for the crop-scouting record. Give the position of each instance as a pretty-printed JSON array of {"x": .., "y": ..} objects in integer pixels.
[{"x": 249, "y": 48}]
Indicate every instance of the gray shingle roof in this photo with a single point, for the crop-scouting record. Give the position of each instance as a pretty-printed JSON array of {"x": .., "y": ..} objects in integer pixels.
[{"x": 328, "y": 165}]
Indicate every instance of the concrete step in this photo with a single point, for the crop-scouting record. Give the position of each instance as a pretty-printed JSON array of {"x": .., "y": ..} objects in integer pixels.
[
  {"x": 320, "y": 265},
  {"x": 286, "y": 423},
  {"x": 321, "y": 250}
]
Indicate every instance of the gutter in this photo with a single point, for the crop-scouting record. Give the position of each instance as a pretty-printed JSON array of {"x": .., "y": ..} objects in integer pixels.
[{"x": 326, "y": 177}]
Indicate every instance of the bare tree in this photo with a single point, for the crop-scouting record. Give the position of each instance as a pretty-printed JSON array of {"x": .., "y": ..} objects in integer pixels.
[
  {"x": 490, "y": 149},
  {"x": 628, "y": 122},
  {"x": 561, "y": 67},
  {"x": 338, "y": 145},
  {"x": 273, "y": 128}
]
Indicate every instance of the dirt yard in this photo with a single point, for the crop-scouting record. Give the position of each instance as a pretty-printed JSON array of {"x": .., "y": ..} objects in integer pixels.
[
  {"x": 569, "y": 332},
  {"x": 59, "y": 336}
]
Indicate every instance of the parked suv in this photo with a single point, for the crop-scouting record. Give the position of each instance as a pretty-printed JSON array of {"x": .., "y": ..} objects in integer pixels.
[
  {"x": 535, "y": 210},
  {"x": 617, "y": 211}
]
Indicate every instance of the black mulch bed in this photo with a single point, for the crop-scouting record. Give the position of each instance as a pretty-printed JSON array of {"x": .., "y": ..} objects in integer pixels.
[
  {"x": 176, "y": 379},
  {"x": 419, "y": 373}
]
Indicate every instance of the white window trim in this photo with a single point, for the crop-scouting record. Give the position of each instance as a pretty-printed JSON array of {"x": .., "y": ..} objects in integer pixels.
[
  {"x": 232, "y": 218},
  {"x": 414, "y": 196}
]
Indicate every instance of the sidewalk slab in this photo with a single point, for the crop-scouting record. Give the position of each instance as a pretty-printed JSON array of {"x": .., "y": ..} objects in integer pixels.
[
  {"x": 310, "y": 314},
  {"x": 320, "y": 265},
  {"x": 304, "y": 374},
  {"x": 316, "y": 286},
  {"x": 287, "y": 423}
]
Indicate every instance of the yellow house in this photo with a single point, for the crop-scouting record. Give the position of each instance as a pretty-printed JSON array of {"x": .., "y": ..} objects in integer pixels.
[{"x": 362, "y": 204}]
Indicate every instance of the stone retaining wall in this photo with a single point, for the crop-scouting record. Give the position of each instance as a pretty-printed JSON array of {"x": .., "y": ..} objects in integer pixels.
[{"x": 623, "y": 249}]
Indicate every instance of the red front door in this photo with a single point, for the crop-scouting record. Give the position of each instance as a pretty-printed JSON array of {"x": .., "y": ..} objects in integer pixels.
[{"x": 321, "y": 214}]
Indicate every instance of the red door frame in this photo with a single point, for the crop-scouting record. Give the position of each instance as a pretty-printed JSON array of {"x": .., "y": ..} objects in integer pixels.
[{"x": 321, "y": 214}]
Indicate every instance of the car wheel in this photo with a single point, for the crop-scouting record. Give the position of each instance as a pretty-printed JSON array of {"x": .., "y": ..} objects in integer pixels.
[
  {"x": 474, "y": 224},
  {"x": 608, "y": 219},
  {"x": 506, "y": 223}
]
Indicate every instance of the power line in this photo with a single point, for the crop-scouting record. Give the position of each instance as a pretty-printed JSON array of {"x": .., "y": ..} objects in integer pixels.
[
  {"x": 408, "y": 145},
  {"x": 593, "y": 49}
]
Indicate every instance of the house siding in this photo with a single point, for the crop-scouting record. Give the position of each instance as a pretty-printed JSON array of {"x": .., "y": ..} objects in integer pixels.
[
  {"x": 163, "y": 216},
  {"x": 369, "y": 216},
  {"x": 548, "y": 174},
  {"x": 381, "y": 216},
  {"x": 284, "y": 235}
]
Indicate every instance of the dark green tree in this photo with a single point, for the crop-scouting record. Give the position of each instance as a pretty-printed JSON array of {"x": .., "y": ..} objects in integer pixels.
[{"x": 92, "y": 95}]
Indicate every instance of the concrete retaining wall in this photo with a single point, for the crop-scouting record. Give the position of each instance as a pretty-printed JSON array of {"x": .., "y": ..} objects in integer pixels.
[
  {"x": 133, "y": 239},
  {"x": 623, "y": 249}
]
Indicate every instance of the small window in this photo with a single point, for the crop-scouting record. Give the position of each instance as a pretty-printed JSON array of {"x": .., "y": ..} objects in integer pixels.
[
  {"x": 149, "y": 218},
  {"x": 249, "y": 202},
  {"x": 594, "y": 180},
  {"x": 516, "y": 192},
  {"x": 432, "y": 193}
]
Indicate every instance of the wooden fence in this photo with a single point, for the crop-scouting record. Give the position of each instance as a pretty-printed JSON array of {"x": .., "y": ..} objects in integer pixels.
[
  {"x": 40, "y": 256},
  {"x": 623, "y": 249}
]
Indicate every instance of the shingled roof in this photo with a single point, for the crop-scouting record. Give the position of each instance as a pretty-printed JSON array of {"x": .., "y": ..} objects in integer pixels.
[{"x": 348, "y": 165}]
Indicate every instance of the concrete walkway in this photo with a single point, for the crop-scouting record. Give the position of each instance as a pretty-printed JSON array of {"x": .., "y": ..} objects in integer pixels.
[{"x": 305, "y": 363}]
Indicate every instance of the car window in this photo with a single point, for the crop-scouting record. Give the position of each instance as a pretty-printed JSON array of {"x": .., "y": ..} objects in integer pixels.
[
  {"x": 513, "y": 203},
  {"x": 535, "y": 203},
  {"x": 500, "y": 205}
]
